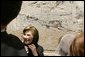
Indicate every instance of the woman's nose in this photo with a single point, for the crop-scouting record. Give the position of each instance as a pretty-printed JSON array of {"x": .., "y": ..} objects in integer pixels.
[{"x": 24, "y": 36}]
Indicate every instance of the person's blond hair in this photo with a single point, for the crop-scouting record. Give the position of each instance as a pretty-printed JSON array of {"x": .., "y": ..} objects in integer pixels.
[{"x": 77, "y": 46}]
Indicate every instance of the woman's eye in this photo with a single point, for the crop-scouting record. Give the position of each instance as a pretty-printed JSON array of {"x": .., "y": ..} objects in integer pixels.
[{"x": 28, "y": 35}]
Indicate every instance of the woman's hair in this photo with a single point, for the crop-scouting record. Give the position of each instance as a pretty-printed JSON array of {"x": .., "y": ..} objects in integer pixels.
[
  {"x": 34, "y": 32},
  {"x": 77, "y": 46}
]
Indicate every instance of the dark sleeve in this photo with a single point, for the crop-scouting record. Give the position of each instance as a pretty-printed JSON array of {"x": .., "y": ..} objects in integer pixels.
[
  {"x": 12, "y": 46},
  {"x": 40, "y": 51},
  {"x": 16, "y": 42}
]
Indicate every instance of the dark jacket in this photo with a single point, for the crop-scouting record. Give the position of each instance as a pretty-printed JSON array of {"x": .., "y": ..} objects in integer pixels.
[
  {"x": 40, "y": 51},
  {"x": 11, "y": 45}
]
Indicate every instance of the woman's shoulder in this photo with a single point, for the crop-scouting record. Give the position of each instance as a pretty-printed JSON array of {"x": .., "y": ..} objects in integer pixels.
[{"x": 40, "y": 48}]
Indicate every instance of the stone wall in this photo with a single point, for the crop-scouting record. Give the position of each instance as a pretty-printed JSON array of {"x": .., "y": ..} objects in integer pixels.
[{"x": 53, "y": 19}]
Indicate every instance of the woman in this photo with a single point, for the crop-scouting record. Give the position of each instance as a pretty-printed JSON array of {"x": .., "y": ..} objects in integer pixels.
[
  {"x": 31, "y": 37},
  {"x": 64, "y": 44}
]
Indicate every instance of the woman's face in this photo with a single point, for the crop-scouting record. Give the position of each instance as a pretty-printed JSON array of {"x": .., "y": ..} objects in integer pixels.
[{"x": 28, "y": 37}]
